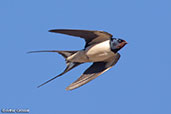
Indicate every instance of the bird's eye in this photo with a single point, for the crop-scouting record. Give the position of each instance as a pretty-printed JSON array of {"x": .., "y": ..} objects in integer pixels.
[{"x": 119, "y": 40}]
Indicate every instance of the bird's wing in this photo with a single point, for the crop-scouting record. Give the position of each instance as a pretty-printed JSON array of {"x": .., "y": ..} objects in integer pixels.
[
  {"x": 96, "y": 69},
  {"x": 91, "y": 37}
]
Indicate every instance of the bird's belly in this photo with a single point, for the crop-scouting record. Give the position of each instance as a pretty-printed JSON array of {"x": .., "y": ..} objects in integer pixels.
[
  {"x": 80, "y": 56},
  {"x": 100, "y": 56},
  {"x": 95, "y": 53}
]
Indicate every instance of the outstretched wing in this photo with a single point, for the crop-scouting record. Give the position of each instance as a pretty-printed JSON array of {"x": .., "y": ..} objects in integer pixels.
[
  {"x": 91, "y": 37},
  {"x": 96, "y": 69}
]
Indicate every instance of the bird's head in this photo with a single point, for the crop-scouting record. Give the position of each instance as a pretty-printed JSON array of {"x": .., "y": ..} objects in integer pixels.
[{"x": 116, "y": 44}]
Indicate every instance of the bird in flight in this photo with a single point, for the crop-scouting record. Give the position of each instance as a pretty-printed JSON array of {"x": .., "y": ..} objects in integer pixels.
[{"x": 100, "y": 48}]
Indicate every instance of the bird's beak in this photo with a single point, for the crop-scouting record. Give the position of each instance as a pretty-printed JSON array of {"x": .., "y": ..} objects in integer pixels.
[
  {"x": 122, "y": 44},
  {"x": 125, "y": 42}
]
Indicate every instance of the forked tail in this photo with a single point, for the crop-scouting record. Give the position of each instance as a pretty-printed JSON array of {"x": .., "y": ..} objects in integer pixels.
[{"x": 65, "y": 54}]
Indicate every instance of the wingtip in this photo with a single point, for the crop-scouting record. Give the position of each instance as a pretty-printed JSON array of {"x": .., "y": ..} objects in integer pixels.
[
  {"x": 72, "y": 87},
  {"x": 52, "y": 30},
  {"x": 68, "y": 89},
  {"x": 30, "y": 52},
  {"x": 42, "y": 51}
]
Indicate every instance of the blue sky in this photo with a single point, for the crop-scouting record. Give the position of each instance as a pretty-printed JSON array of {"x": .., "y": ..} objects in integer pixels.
[{"x": 138, "y": 84}]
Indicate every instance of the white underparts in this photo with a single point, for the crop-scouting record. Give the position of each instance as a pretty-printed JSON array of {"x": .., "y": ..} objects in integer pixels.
[{"x": 95, "y": 53}]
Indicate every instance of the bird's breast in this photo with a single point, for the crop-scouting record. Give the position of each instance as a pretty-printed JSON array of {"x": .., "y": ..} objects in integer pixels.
[{"x": 99, "y": 52}]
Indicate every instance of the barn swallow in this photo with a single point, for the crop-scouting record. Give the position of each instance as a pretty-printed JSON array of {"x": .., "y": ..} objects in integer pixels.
[{"x": 100, "y": 48}]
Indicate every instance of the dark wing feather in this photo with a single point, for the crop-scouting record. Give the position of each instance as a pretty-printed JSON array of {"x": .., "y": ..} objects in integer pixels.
[
  {"x": 91, "y": 37},
  {"x": 93, "y": 71}
]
